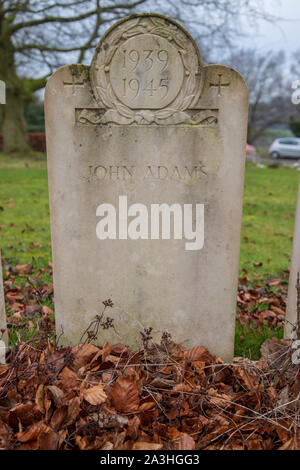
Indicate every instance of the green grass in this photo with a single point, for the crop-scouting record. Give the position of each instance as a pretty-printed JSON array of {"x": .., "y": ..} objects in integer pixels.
[
  {"x": 267, "y": 230},
  {"x": 249, "y": 340},
  {"x": 24, "y": 209},
  {"x": 270, "y": 197}
]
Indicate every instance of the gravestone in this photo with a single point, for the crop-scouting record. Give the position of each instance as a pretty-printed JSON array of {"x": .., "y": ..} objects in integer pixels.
[
  {"x": 3, "y": 333},
  {"x": 291, "y": 310},
  {"x": 2, "y": 92},
  {"x": 146, "y": 155}
]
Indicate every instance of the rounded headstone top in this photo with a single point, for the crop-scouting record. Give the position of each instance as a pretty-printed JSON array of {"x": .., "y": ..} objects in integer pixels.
[{"x": 148, "y": 64}]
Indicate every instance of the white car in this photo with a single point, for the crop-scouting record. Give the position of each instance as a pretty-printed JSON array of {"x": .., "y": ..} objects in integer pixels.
[{"x": 285, "y": 147}]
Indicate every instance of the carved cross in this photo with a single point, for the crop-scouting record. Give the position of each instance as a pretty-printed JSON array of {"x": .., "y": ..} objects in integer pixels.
[
  {"x": 219, "y": 84},
  {"x": 74, "y": 84}
]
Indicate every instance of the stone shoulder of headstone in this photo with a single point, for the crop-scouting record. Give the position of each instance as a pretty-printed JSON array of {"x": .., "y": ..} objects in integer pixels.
[
  {"x": 147, "y": 124},
  {"x": 3, "y": 328}
]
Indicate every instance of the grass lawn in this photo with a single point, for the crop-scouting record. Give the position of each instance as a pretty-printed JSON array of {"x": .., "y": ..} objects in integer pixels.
[
  {"x": 268, "y": 220},
  {"x": 24, "y": 210},
  {"x": 270, "y": 197}
]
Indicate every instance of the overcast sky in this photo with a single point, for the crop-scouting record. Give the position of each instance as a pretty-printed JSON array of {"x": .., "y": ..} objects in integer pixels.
[{"x": 284, "y": 34}]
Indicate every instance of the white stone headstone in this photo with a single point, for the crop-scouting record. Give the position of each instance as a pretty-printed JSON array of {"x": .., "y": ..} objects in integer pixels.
[
  {"x": 3, "y": 330},
  {"x": 291, "y": 311},
  {"x": 2, "y": 92},
  {"x": 147, "y": 129}
]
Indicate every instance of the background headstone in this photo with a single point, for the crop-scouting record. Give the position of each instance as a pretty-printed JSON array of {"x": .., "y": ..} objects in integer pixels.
[
  {"x": 2, "y": 92},
  {"x": 291, "y": 311},
  {"x": 147, "y": 121},
  {"x": 3, "y": 330}
]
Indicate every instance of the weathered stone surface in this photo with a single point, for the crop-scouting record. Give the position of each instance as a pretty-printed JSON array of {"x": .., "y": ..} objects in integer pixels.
[
  {"x": 2, "y": 92},
  {"x": 291, "y": 311},
  {"x": 147, "y": 122},
  {"x": 3, "y": 331}
]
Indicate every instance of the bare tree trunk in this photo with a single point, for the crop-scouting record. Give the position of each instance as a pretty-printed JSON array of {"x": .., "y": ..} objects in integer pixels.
[
  {"x": 15, "y": 140},
  {"x": 13, "y": 121}
]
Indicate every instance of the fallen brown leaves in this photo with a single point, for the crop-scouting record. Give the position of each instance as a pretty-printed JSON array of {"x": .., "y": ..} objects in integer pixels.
[
  {"x": 29, "y": 300},
  {"x": 163, "y": 397},
  {"x": 262, "y": 302},
  {"x": 124, "y": 395}
]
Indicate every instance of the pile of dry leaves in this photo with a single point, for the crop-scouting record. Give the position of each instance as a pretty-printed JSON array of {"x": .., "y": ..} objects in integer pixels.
[
  {"x": 262, "y": 302},
  {"x": 29, "y": 298},
  {"x": 162, "y": 397}
]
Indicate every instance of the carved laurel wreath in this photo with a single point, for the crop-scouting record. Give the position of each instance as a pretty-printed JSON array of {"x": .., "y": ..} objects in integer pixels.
[{"x": 120, "y": 113}]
